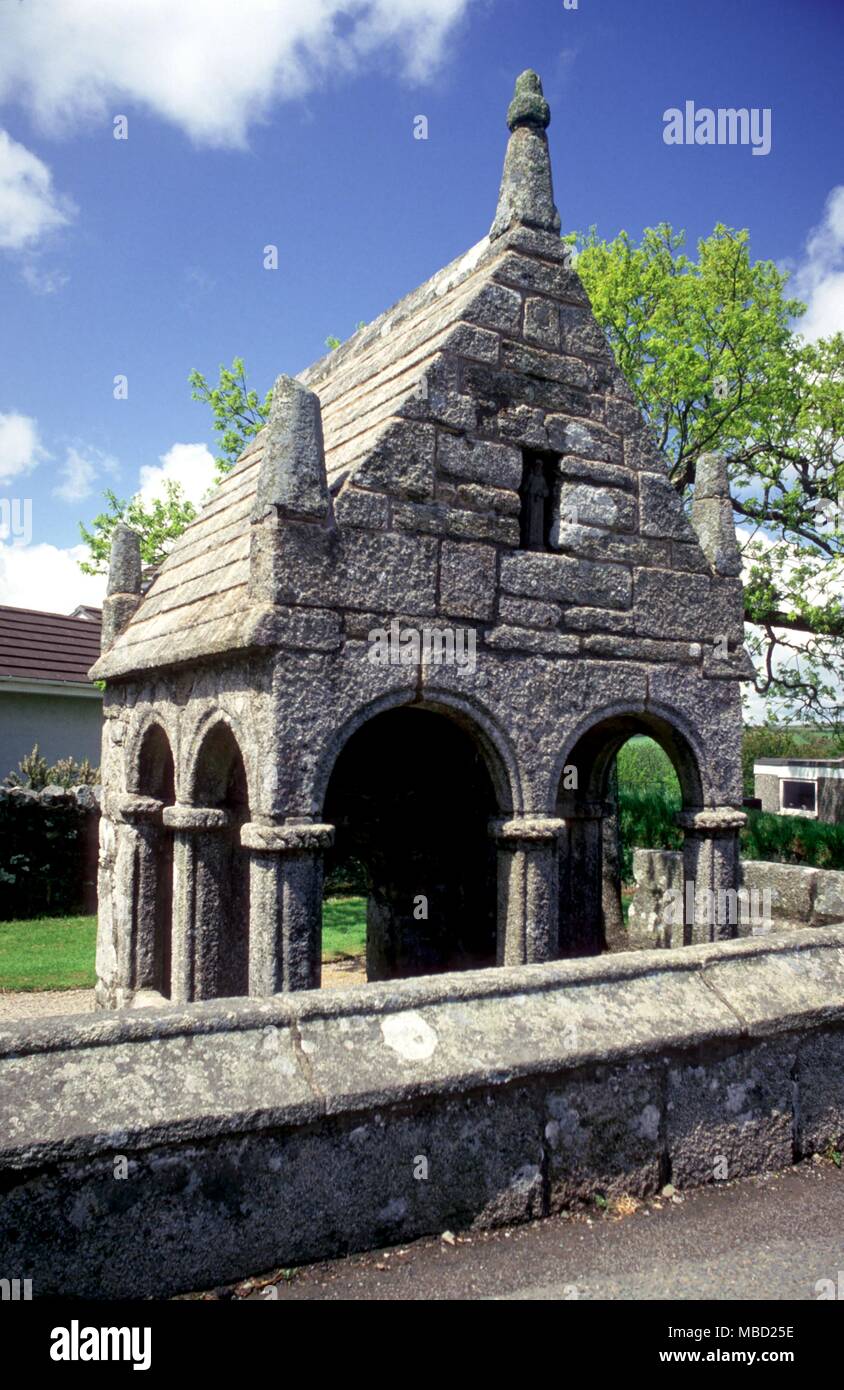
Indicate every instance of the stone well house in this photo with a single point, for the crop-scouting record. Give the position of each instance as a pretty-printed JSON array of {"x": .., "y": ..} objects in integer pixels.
[{"x": 471, "y": 462}]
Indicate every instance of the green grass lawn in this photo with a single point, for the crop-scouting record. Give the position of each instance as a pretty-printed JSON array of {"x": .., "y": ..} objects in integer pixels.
[
  {"x": 343, "y": 927},
  {"x": 58, "y": 952},
  {"x": 48, "y": 953}
]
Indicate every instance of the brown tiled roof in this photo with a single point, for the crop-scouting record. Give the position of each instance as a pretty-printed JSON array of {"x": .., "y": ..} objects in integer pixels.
[{"x": 47, "y": 646}]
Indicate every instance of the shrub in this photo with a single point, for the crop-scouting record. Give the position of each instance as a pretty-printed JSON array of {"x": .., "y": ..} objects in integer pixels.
[
  {"x": 643, "y": 767},
  {"x": 793, "y": 840},
  {"x": 646, "y": 821},
  {"x": 35, "y": 773}
]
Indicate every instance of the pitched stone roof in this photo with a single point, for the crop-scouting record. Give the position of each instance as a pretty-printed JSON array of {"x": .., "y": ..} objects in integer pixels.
[
  {"x": 201, "y": 590},
  {"x": 47, "y": 646},
  {"x": 422, "y": 417}
]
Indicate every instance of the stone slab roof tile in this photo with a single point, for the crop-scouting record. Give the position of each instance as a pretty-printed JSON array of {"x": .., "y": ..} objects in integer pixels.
[{"x": 201, "y": 590}]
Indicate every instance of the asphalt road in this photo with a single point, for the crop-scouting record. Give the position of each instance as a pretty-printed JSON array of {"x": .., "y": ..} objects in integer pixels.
[{"x": 773, "y": 1237}]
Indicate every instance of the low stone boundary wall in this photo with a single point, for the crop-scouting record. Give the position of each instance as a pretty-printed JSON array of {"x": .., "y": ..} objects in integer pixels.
[
  {"x": 799, "y": 897},
  {"x": 255, "y": 1134},
  {"x": 48, "y": 851}
]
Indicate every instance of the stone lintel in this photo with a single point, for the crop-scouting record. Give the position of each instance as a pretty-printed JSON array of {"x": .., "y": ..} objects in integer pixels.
[
  {"x": 197, "y": 817},
  {"x": 282, "y": 839}
]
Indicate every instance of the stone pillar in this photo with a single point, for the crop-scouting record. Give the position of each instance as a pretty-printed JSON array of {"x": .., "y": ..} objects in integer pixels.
[
  {"x": 581, "y": 905},
  {"x": 711, "y": 869},
  {"x": 138, "y": 861},
  {"x": 200, "y": 855},
  {"x": 528, "y": 888},
  {"x": 285, "y": 904},
  {"x": 615, "y": 933}
]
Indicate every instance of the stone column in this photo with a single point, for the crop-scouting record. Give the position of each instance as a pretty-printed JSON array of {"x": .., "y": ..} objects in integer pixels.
[
  {"x": 139, "y": 822},
  {"x": 711, "y": 869},
  {"x": 285, "y": 904},
  {"x": 200, "y": 854},
  {"x": 528, "y": 888},
  {"x": 581, "y": 905}
]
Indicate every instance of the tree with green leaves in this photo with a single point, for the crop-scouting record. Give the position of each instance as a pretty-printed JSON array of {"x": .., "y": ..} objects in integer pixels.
[
  {"x": 238, "y": 412},
  {"x": 709, "y": 348}
]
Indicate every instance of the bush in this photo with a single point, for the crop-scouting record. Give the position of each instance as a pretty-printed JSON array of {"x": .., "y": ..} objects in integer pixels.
[
  {"x": 646, "y": 821},
  {"x": 35, "y": 773},
  {"x": 793, "y": 840},
  {"x": 346, "y": 879},
  {"x": 644, "y": 767}
]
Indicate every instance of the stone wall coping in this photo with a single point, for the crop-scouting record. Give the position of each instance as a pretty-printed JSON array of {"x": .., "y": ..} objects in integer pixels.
[
  {"x": 72, "y": 1086},
  {"x": 278, "y": 839},
  {"x": 198, "y": 817}
]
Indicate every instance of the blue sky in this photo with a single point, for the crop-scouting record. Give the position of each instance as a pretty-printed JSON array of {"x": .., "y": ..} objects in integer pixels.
[{"x": 291, "y": 123}]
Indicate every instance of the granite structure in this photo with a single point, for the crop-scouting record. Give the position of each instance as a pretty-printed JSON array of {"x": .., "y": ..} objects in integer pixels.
[
  {"x": 470, "y": 466},
  {"x": 470, "y": 469}
]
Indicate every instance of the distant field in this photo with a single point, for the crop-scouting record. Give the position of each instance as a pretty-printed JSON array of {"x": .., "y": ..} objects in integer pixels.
[{"x": 58, "y": 952}]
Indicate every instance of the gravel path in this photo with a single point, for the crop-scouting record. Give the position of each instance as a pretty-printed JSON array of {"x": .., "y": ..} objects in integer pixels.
[
  {"x": 44, "y": 1003},
  {"x": 17, "y": 1005}
]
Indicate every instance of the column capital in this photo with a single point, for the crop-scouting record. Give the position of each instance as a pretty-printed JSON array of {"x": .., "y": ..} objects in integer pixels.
[
  {"x": 128, "y": 809},
  {"x": 714, "y": 820},
  {"x": 197, "y": 817},
  {"x": 285, "y": 839},
  {"x": 527, "y": 829}
]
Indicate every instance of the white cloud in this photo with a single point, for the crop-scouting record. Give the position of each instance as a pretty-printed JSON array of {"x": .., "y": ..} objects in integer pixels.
[
  {"x": 20, "y": 447},
  {"x": 192, "y": 465},
  {"x": 80, "y": 471},
  {"x": 41, "y": 280},
  {"x": 48, "y": 578},
  {"x": 207, "y": 66},
  {"x": 820, "y": 275},
  {"x": 29, "y": 206}
]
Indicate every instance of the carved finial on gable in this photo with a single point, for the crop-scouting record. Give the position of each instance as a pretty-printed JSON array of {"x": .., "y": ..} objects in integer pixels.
[
  {"x": 712, "y": 515},
  {"x": 527, "y": 192},
  {"x": 292, "y": 480},
  {"x": 123, "y": 592}
]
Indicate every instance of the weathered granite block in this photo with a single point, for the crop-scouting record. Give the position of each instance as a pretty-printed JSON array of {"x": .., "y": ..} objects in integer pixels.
[
  {"x": 670, "y": 605},
  {"x": 527, "y": 640},
  {"x": 588, "y": 504},
  {"x": 542, "y": 322},
  {"x": 819, "y": 1080},
  {"x": 558, "y": 577},
  {"x": 402, "y": 463},
  {"x": 604, "y": 1136},
  {"x": 468, "y": 579},
  {"x": 362, "y": 570},
  {"x": 732, "y": 1116},
  {"x": 498, "y": 465},
  {"x": 526, "y": 612},
  {"x": 661, "y": 509},
  {"x": 354, "y": 507},
  {"x": 590, "y": 441}
]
